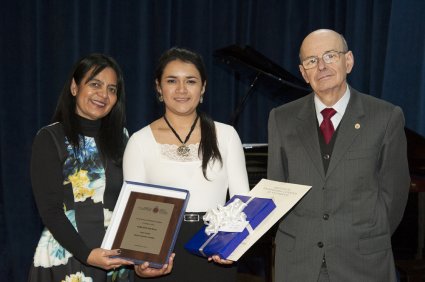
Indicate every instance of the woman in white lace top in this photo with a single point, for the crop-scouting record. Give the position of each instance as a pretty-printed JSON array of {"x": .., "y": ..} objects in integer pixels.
[{"x": 187, "y": 149}]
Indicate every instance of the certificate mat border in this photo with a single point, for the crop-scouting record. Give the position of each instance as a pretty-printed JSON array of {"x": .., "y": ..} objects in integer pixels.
[
  {"x": 129, "y": 187},
  {"x": 144, "y": 256}
]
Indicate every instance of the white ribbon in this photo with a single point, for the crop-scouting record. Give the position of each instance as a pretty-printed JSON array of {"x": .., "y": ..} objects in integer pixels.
[{"x": 221, "y": 216}]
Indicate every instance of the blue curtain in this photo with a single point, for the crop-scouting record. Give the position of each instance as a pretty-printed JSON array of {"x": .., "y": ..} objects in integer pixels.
[{"x": 41, "y": 39}]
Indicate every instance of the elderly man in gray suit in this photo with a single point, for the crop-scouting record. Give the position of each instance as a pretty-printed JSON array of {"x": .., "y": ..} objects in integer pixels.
[{"x": 351, "y": 148}]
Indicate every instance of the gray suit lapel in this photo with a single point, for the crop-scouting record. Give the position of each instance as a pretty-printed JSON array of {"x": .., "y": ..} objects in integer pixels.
[
  {"x": 307, "y": 131},
  {"x": 348, "y": 129}
]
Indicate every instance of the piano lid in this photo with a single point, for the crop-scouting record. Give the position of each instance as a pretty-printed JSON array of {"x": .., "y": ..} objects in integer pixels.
[{"x": 247, "y": 61}]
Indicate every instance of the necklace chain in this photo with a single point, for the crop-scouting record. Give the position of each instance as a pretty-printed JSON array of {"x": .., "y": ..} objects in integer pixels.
[{"x": 183, "y": 150}]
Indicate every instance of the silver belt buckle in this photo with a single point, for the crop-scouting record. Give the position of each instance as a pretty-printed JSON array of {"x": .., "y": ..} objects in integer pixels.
[{"x": 191, "y": 217}]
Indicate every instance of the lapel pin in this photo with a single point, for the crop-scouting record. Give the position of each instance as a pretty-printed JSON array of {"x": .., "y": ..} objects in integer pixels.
[{"x": 357, "y": 126}]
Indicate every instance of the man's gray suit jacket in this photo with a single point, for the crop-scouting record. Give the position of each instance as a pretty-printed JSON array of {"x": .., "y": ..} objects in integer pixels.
[{"x": 351, "y": 211}]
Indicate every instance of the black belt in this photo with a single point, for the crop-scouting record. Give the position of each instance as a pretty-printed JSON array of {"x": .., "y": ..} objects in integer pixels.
[{"x": 193, "y": 216}]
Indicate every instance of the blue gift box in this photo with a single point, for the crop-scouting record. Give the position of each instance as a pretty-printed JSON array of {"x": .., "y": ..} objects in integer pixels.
[{"x": 224, "y": 243}]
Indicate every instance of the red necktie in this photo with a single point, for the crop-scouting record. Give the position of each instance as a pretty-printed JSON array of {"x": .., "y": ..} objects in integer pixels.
[{"x": 326, "y": 126}]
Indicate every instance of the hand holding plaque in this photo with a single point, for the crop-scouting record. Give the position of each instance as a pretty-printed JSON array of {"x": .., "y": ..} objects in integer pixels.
[{"x": 145, "y": 222}]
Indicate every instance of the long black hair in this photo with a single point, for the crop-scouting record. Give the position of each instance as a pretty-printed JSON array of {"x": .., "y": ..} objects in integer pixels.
[
  {"x": 208, "y": 146},
  {"x": 111, "y": 138}
]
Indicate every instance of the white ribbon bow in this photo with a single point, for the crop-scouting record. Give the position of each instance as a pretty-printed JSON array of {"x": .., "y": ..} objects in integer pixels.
[{"x": 221, "y": 216}]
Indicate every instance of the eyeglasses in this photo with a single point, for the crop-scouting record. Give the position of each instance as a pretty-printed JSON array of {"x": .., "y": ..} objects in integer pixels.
[{"x": 329, "y": 57}]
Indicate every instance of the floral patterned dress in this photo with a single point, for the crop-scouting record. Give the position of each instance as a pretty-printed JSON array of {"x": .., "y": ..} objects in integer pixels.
[{"x": 75, "y": 194}]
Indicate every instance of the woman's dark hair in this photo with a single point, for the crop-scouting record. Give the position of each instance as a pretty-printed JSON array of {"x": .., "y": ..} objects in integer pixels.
[
  {"x": 208, "y": 146},
  {"x": 111, "y": 138}
]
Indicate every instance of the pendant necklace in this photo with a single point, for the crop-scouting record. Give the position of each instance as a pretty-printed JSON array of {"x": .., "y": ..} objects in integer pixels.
[{"x": 182, "y": 150}]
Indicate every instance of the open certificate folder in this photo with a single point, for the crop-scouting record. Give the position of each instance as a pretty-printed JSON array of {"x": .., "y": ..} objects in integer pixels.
[
  {"x": 145, "y": 222},
  {"x": 260, "y": 215},
  {"x": 285, "y": 196}
]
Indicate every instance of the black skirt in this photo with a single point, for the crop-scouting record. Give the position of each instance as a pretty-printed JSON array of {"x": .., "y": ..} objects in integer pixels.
[{"x": 188, "y": 267}]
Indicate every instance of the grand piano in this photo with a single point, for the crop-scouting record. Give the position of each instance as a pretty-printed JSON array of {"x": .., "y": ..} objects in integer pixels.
[{"x": 409, "y": 238}]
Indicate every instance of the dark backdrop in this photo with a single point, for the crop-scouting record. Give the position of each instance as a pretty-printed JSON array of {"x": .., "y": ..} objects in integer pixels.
[{"x": 40, "y": 40}]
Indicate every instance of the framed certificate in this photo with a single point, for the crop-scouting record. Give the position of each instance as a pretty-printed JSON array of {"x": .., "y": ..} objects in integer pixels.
[{"x": 145, "y": 222}]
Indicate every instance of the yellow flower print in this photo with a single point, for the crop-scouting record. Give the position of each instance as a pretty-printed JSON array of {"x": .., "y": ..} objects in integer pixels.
[
  {"x": 77, "y": 277},
  {"x": 80, "y": 182}
]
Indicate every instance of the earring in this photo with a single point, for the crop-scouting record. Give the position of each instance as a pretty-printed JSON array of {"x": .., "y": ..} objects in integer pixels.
[
  {"x": 201, "y": 99},
  {"x": 160, "y": 98}
]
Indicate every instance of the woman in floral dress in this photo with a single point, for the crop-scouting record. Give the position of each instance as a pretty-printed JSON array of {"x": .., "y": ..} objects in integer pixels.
[{"x": 76, "y": 174}]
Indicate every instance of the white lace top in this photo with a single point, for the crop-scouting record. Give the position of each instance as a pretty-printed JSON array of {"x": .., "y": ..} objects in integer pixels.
[
  {"x": 147, "y": 161},
  {"x": 169, "y": 151}
]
